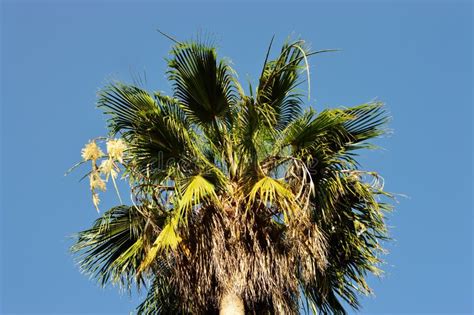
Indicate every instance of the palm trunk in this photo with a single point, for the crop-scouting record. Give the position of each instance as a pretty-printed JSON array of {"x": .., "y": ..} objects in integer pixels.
[{"x": 231, "y": 304}]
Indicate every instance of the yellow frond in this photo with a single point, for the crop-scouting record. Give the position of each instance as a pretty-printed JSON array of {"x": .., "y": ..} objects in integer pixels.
[
  {"x": 167, "y": 239},
  {"x": 130, "y": 252},
  {"x": 195, "y": 192},
  {"x": 271, "y": 191}
]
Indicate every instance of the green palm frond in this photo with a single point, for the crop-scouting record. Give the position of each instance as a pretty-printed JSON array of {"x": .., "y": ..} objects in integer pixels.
[
  {"x": 203, "y": 85},
  {"x": 367, "y": 121},
  {"x": 349, "y": 214},
  {"x": 335, "y": 128},
  {"x": 111, "y": 251},
  {"x": 127, "y": 105},
  {"x": 269, "y": 191},
  {"x": 277, "y": 93},
  {"x": 157, "y": 131},
  {"x": 323, "y": 132},
  {"x": 248, "y": 124}
]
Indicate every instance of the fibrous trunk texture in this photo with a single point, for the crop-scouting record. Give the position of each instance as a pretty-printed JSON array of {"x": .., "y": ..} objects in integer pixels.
[
  {"x": 231, "y": 304},
  {"x": 249, "y": 256}
]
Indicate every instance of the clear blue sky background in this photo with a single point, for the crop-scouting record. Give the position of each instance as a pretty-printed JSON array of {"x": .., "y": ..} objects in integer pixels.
[{"x": 414, "y": 55}]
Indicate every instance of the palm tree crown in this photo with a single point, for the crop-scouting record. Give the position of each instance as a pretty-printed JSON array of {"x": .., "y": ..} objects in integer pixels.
[{"x": 233, "y": 194}]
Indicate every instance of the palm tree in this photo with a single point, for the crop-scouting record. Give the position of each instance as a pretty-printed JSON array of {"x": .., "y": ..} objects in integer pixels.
[{"x": 239, "y": 202}]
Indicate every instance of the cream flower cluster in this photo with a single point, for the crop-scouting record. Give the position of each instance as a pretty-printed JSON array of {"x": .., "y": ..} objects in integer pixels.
[
  {"x": 108, "y": 167},
  {"x": 96, "y": 182},
  {"x": 115, "y": 149},
  {"x": 91, "y": 152}
]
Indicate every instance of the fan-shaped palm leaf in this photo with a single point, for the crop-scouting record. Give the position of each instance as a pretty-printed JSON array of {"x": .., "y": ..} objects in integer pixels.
[
  {"x": 203, "y": 85},
  {"x": 112, "y": 249}
]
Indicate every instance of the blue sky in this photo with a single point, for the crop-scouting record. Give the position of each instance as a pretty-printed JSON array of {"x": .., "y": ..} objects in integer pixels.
[{"x": 414, "y": 55}]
